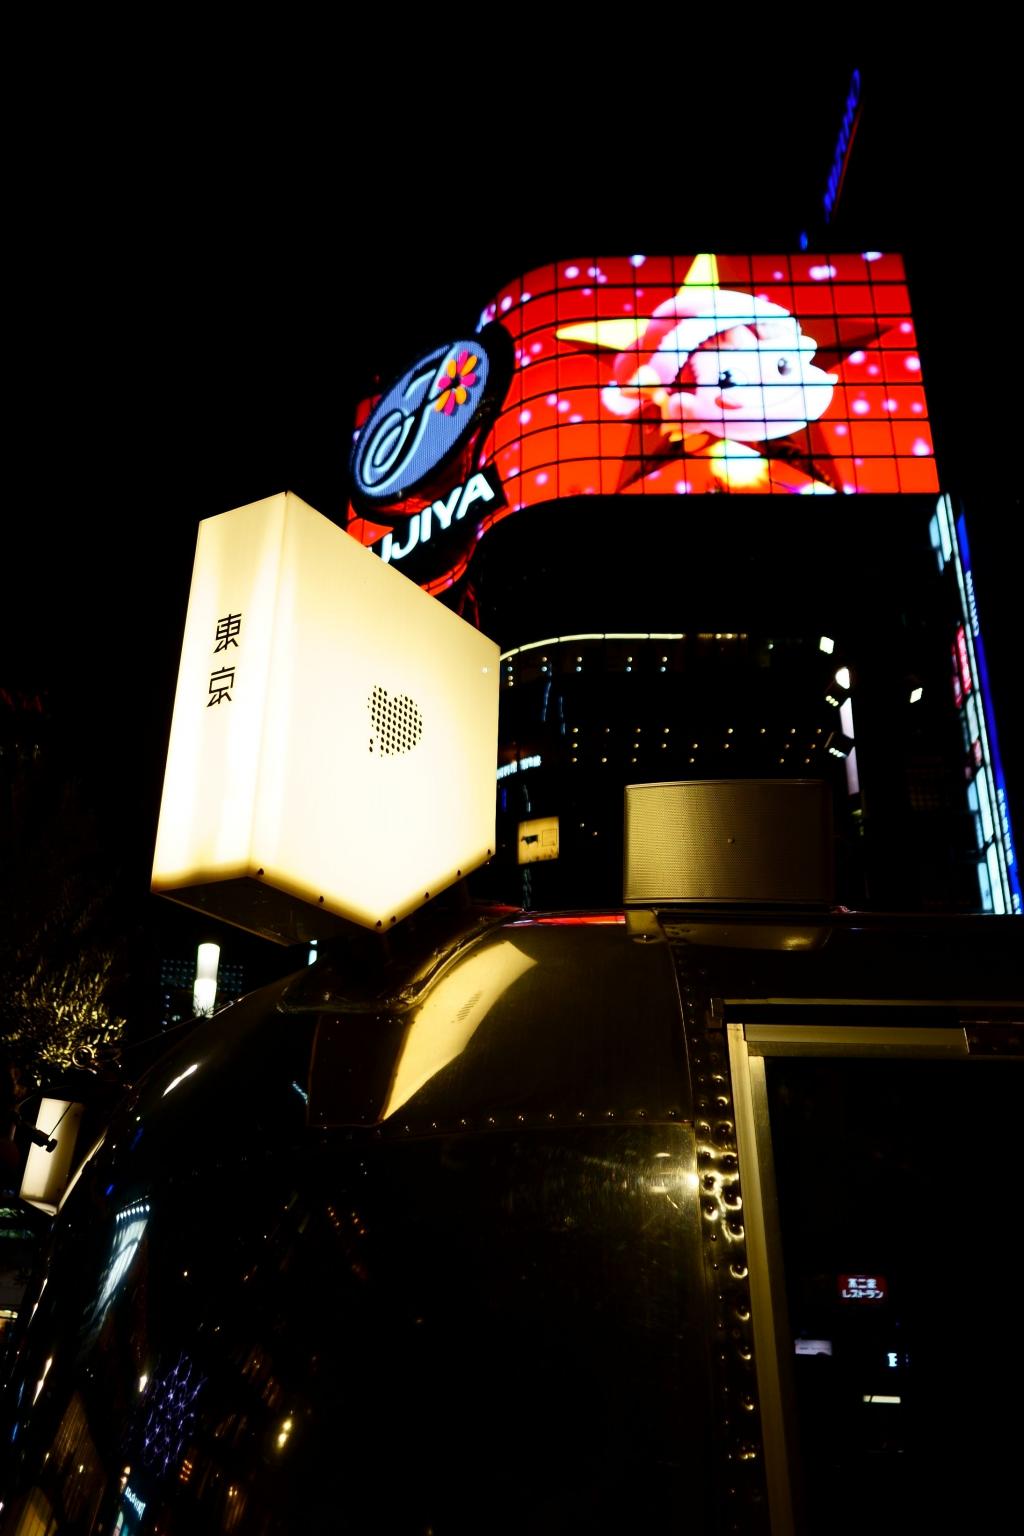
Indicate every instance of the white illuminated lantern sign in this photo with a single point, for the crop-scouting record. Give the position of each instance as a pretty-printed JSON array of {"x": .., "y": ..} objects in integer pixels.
[
  {"x": 49, "y": 1158},
  {"x": 334, "y": 735}
]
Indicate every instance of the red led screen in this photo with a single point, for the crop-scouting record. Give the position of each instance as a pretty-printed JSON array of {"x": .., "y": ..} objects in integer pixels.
[{"x": 791, "y": 375}]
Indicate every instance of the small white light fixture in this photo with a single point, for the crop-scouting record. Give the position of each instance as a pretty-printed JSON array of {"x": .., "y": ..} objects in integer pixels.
[
  {"x": 843, "y": 677},
  {"x": 916, "y": 694},
  {"x": 204, "y": 989},
  {"x": 826, "y": 645},
  {"x": 838, "y": 744},
  {"x": 48, "y": 1166}
]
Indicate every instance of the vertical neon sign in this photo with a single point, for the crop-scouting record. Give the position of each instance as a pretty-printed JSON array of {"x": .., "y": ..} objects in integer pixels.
[{"x": 998, "y": 871}]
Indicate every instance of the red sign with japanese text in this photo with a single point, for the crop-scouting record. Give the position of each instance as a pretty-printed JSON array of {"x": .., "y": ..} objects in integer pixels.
[{"x": 862, "y": 1287}]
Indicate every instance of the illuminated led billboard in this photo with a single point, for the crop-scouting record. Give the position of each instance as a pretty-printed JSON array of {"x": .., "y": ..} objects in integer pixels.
[{"x": 635, "y": 376}]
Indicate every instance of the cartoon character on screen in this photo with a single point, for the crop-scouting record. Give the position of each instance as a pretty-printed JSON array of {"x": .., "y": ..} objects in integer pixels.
[{"x": 726, "y": 378}]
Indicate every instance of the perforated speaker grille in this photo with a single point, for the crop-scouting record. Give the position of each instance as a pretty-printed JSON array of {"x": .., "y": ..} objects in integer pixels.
[
  {"x": 397, "y": 724},
  {"x": 757, "y": 840}
]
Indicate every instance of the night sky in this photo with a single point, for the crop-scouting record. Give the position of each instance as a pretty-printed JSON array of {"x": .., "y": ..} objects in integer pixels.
[{"x": 195, "y": 313}]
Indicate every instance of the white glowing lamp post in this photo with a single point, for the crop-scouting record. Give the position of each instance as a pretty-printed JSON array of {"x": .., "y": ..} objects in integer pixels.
[
  {"x": 204, "y": 988},
  {"x": 334, "y": 734}
]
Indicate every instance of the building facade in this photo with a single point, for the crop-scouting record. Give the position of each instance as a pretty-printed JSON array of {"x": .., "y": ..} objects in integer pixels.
[{"x": 551, "y": 476}]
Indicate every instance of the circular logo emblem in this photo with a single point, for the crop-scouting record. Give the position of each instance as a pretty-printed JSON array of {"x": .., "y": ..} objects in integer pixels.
[{"x": 422, "y": 421}]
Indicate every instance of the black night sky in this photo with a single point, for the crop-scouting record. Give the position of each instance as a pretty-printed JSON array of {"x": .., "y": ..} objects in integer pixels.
[
  {"x": 222, "y": 233},
  {"x": 199, "y": 302}
]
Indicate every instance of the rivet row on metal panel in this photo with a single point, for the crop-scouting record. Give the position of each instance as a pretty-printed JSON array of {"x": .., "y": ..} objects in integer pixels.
[{"x": 737, "y": 1429}]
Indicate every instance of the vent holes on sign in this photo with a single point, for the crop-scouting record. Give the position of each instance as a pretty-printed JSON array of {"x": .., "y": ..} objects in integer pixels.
[{"x": 396, "y": 722}]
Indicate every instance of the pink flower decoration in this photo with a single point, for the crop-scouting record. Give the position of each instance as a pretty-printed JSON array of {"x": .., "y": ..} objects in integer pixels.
[{"x": 454, "y": 382}]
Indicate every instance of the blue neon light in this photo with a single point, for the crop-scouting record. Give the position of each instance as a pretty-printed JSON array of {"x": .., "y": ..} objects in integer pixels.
[
  {"x": 844, "y": 143},
  {"x": 996, "y": 765}
]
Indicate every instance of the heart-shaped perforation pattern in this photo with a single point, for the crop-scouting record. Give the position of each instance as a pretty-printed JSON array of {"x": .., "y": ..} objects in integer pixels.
[{"x": 397, "y": 723}]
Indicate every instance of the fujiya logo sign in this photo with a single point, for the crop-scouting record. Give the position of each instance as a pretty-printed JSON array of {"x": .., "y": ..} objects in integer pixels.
[
  {"x": 484, "y": 487},
  {"x": 426, "y": 419}
]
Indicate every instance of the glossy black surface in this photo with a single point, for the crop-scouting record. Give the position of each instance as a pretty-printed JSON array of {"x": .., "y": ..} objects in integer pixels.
[
  {"x": 253, "y": 1323},
  {"x": 439, "y": 1235},
  {"x": 909, "y": 1174}
]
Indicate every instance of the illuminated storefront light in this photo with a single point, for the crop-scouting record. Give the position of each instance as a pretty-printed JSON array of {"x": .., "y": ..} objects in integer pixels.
[
  {"x": 537, "y": 840},
  {"x": 996, "y": 861},
  {"x": 519, "y": 765}
]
